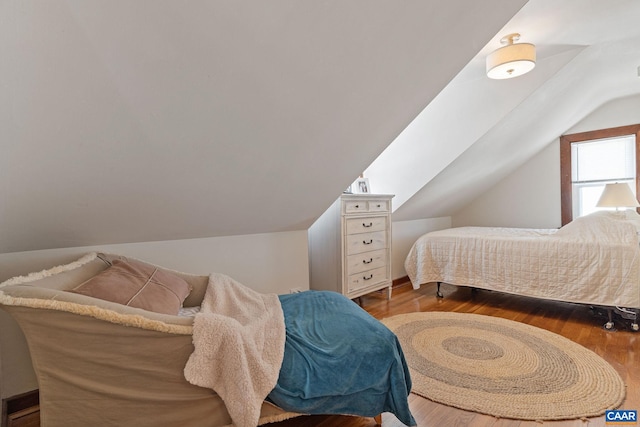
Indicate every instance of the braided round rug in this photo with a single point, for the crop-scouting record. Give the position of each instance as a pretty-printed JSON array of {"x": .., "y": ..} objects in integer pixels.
[{"x": 504, "y": 368}]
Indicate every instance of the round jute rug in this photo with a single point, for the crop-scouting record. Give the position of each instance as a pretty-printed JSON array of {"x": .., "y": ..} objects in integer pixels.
[{"x": 504, "y": 368}]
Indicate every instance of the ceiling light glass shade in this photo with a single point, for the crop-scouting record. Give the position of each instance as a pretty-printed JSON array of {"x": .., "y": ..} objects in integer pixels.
[
  {"x": 618, "y": 195},
  {"x": 512, "y": 60}
]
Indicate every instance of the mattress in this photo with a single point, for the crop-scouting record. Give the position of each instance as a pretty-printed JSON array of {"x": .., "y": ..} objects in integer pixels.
[{"x": 593, "y": 260}]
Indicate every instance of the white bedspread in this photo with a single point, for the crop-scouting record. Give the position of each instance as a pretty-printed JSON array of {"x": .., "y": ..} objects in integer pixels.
[{"x": 593, "y": 260}]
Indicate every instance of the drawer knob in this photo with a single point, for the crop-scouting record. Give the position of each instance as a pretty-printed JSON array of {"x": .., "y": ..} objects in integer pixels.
[
  {"x": 364, "y": 261},
  {"x": 364, "y": 242},
  {"x": 369, "y": 277},
  {"x": 367, "y": 225},
  {"x": 357, "y": 206}
]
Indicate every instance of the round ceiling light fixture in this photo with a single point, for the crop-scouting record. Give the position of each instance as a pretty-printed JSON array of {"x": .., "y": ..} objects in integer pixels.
[{"x": 511, "y": 60}]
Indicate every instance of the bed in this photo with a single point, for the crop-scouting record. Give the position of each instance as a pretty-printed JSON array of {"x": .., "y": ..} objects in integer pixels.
[
  {"x": 103, "y": 361},
  {"x": 593, "y": 260}
]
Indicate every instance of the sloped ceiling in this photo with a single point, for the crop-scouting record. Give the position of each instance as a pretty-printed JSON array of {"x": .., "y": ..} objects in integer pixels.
[
  {"x": 127, "y": 121},
  {"x": 477, "y": 130}
]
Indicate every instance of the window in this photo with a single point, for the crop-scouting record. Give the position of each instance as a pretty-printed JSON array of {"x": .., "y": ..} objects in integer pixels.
[
  {"x": 589, "y": 160},
  {"x": 596, "y": 163}
]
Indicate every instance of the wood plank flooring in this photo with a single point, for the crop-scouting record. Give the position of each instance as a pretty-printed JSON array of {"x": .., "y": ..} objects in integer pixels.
[{"x": 579, "y": 323}]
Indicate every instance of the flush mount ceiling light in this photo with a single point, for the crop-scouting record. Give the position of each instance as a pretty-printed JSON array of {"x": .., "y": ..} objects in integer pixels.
[{"x": 512, "y": 60}]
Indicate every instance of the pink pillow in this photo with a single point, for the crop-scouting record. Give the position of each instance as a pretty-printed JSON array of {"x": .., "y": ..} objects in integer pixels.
[{"x": 139, "y": 285}]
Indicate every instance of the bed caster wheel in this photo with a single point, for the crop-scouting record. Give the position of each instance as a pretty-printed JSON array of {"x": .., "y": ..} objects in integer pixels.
[
  {"x": 634, "y": 327},
  {"x": 608, "y": 326}
]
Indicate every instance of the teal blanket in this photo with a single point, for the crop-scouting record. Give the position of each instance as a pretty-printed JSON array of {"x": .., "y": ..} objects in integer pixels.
[{"x": 338, "y": 359}]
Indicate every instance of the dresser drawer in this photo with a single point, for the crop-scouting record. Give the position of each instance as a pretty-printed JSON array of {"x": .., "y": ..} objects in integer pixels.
[
  {"x": 356, "y": 206},
  {"x": 366, "y": 261},
  {"x": 379, "y": 205},
  {"x": 365, "y": 242},
  {"x": 366, "y": 224},
  {"x": 366, "y": 278}
]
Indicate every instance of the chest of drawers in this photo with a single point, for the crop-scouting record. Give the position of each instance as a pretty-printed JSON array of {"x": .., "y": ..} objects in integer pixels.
[{"x": 350, "y": 246}]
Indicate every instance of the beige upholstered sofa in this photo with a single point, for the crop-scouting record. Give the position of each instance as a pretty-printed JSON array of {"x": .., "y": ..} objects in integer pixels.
[{"x": 100, "y": 363}]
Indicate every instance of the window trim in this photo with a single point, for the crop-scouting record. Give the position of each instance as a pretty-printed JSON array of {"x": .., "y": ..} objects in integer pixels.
[{"x": 566, "y": 196}]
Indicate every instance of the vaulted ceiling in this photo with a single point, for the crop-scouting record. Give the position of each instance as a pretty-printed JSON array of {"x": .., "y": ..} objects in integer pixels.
[
  {"x": 477, "y": 130},
  {"x": 155, "y": 120},
  {"x": 151, "y": 120}
]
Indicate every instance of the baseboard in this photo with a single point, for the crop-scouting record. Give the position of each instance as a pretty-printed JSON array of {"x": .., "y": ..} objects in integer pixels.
[
  {"x": 400, "y": 281},
  {"x": 25, "y": 403}
]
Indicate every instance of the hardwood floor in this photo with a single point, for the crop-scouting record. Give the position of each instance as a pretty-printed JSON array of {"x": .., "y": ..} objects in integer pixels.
[{"x": 579, "y": 323}]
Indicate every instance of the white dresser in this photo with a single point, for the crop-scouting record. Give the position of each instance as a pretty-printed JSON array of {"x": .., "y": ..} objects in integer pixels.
[{"x": 350, "y": 246}]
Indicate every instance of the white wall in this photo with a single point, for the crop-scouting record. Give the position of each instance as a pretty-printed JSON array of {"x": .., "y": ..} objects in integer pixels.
[
  {"x": 619, "y": 112},
  {"x": 274, "y": 262},
  {"x": 530, "y": 197},
  {"x": 16, "y": 373},
  {"x": 405, "y": 233}
]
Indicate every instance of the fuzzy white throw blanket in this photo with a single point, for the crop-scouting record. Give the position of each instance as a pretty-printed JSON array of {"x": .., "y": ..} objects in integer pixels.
[{"x": 239, "y": 338}]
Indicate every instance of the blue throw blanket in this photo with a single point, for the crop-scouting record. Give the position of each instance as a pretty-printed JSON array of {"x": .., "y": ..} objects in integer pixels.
[{"x": 338, "y": 359}]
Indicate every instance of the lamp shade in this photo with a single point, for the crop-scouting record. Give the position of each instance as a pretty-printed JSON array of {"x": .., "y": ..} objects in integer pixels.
[
  {"x": 618, "y": 195},
  {"x": 512, "y": 60}
]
